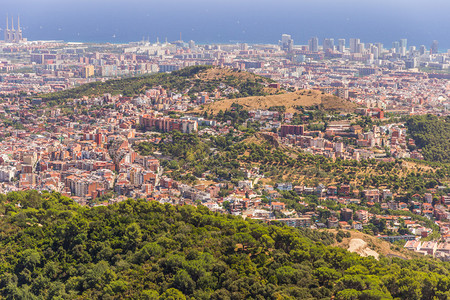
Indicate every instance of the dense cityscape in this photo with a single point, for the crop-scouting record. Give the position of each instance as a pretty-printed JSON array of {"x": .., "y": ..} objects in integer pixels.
[{"x": 349, "y": 136}]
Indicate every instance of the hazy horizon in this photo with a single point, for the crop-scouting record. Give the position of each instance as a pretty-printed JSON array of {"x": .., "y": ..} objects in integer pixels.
[{"x": 232, "y": 21}]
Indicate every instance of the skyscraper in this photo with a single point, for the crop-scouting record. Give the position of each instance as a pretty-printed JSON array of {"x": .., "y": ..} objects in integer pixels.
[
  {"x": 434, "y": 47},
  {"x": 396, "y": 46},
  {"x": 380, "y": 48},
  {"x": 374, "y": 51},
  {"x": 314, "y": 44},
  {"x": 400, "y": 47},
  {"x": 341, "y": 45},
  {"x": 354, "y": 45},
  {"x": 404, "y": 43},
  {"x": 287, "y": 43},
  {"x": 328, "y": 44},
  {"x": 290, "y": 46}
]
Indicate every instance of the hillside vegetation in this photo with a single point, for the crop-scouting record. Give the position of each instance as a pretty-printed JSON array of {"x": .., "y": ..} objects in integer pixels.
[
  {"x": 378, "y": 245},
  {"x": 52, "y": 248},
  {"x": 189, "y": 81},
  {"x": 302, "y": 98},
  {"x": 432, "y": 135},
  {"x": 190, "y": 154}
]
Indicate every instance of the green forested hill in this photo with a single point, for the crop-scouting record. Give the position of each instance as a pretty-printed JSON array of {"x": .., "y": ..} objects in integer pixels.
[
  {"x": 52, "y": 248},
  {"x": 432, "y": 135},
  {"x": 196, "y": 79}
]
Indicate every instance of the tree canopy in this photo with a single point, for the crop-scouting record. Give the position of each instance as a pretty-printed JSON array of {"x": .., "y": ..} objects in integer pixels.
[
  {"x": 432, "y": 135},
  {"x": 53, "y": 248},
  {"x": 177, "y": 81}
]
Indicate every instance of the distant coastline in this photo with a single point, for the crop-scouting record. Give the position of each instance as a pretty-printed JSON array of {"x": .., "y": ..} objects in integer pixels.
[{"x": 442, "y": 49}]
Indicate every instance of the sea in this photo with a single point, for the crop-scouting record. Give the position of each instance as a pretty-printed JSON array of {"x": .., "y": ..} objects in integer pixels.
[{"x": 232, "y": 21}]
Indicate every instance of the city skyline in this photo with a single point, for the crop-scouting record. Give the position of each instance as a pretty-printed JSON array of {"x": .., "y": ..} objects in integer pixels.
[
  {"x": 14, "y": 35},
  {"x": 224, "y": 23}
]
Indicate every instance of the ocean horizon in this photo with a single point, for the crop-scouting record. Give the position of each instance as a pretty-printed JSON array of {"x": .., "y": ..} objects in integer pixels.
[{"x": 220, "y": 22}]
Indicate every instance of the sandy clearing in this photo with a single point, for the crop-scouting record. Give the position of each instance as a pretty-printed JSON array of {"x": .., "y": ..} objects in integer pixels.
[{"x": 359, "y": 246}]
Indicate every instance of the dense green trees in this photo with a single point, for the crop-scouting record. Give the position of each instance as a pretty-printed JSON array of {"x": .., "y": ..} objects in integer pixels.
[
  {"x": 175, "y": 81},
  {"x": 432, "y": 135},
  {"x": 237, "y": 115},
  {"x": 52, "y": 248}
]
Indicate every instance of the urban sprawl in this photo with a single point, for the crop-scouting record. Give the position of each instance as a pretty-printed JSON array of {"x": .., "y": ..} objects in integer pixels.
[{"x": 92, "y": 157}]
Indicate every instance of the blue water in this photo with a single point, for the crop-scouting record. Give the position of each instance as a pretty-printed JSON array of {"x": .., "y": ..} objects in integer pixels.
[{"x": 220, "y": 21}]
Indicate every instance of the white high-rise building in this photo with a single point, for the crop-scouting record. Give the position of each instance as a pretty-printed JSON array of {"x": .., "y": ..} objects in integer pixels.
[
  {"x": 354, "y": 45},
  {"x": 287, "y": 43},
  {"x": 374, "y": 51},
  {"x": 404, "y": 43},
  {"x": 314, "y": 44}
]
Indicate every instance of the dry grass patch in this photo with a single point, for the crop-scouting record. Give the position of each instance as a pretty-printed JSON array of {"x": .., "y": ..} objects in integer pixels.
[{"x": 304, "y": 98}]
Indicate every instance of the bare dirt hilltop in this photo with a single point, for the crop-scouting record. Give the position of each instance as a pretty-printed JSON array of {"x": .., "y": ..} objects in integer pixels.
[
  {"x": 305, "y": 98},
  {"x": 359, "y": 246},
  {"x": 367, "y": 245}
]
